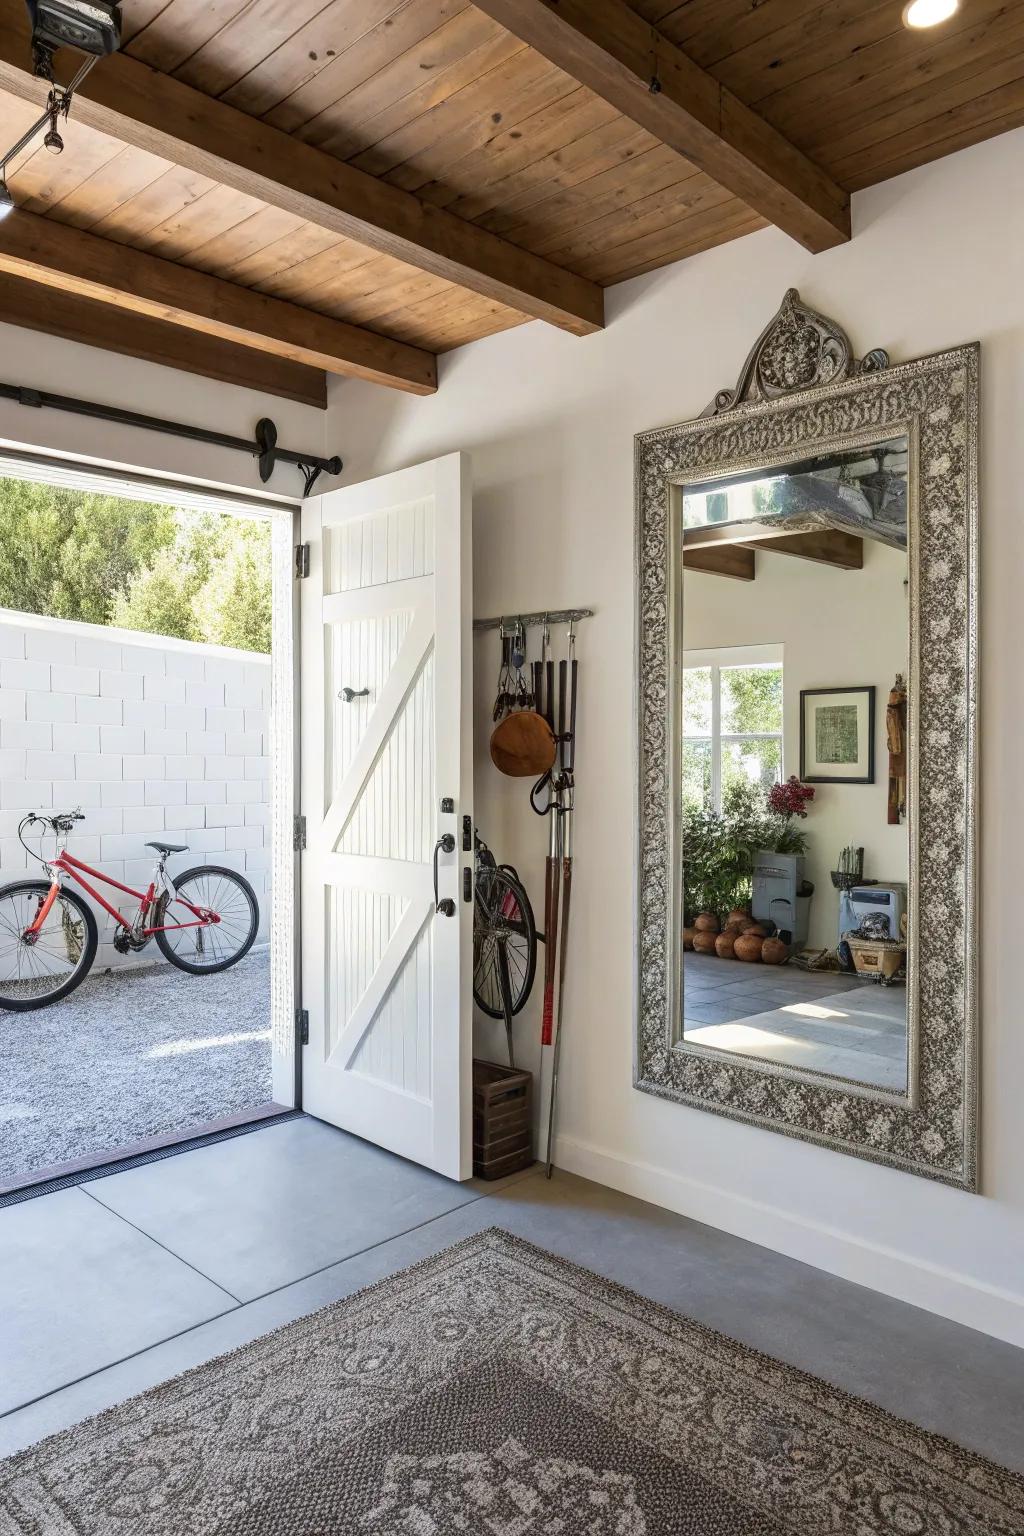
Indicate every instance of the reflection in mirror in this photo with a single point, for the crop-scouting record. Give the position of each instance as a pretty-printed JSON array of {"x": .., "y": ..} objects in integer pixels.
[{"x": 796, "y": 647}]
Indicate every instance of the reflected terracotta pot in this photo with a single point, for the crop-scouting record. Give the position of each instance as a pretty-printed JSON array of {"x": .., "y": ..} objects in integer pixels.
[
  {"x": 737, "y": 915},
  {"x": 724, "y": 943},
  {"x": 688, "y": 934},
  {"x": 758, "y": 928},
  {"x": 704, "y": 942},
  {"x": 707, "y": 922},
  {"x": 774, "y": 951},
  {"x": 748, "y": 946}
]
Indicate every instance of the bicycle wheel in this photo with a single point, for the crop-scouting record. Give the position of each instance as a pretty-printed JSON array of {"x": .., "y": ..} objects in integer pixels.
[
  {"x": 35, "y": 972},
  {"x": 211, "y": 947},
  {"x": 504, "y": 942}
]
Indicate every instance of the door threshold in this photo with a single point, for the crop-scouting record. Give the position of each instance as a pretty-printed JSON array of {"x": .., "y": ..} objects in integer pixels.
[{"x": 152, "y": 1149}]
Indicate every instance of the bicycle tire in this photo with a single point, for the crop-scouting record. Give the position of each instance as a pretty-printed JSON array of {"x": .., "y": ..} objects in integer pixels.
[
  {"x": 14, "y": 1004},
  {"x": 222, "y": 875},
  {"x": 499, "y": 876}
]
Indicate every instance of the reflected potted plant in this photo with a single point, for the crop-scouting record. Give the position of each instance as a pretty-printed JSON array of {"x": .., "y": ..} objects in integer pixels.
[
  {"x": 787, "y": 801},
  {"x": 719, "y": 848}
]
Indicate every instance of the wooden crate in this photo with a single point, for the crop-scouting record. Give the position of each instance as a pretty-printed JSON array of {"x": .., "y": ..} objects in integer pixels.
[
  {"x": 876, "y": 957},
  {"x": 502, "y": 1120}
]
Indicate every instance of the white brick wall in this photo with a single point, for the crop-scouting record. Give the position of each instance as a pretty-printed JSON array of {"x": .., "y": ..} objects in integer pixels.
[{"x": 151, "y": 737}]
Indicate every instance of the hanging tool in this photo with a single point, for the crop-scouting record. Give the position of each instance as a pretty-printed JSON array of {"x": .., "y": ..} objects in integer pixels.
[
  {"x": 563, "y": 815},
  {"x": 549, "y": 674},
  {"x": 502, "y": 694},
  {"x": 537, "y": 669}
]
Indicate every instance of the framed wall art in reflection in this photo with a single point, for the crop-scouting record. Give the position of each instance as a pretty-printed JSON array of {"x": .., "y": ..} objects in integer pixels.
[{"x": 837, "y": 735}]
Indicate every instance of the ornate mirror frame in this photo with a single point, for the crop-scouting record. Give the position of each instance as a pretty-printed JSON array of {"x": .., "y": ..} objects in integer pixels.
[{"x": 801, "y": 390}]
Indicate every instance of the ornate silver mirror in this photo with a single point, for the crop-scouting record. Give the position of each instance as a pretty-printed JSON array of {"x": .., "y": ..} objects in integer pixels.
[{"x": 806, "y": 566}]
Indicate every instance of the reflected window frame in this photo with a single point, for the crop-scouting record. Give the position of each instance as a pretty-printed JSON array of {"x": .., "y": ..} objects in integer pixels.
[{"x": 718, "y": 660}]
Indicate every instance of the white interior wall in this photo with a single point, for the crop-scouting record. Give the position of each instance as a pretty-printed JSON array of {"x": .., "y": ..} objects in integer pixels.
[
  {"x": 549, "y": 421},
  {"x": 838, "y": 629}
]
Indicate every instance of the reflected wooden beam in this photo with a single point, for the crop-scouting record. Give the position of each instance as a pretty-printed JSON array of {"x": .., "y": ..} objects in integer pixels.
[
  {"x": 826, "y": 546},
  {"x": 735, "y": 560}
]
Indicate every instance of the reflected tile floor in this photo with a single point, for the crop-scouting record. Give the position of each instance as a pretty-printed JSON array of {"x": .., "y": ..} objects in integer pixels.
[{"x": 822, "y": 1021}]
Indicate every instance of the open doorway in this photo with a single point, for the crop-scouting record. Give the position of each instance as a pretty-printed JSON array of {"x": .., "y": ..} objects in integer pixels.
[{"x": 139, "y": 756}]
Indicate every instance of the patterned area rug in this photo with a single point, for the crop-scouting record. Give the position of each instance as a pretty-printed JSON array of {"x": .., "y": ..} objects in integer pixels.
[{"x": 496, "y": 1390}]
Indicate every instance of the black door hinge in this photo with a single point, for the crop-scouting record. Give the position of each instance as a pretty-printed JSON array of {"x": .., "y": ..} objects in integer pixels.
[
  {"x": 302, "y": 1025},
  {"x": 301, "y": 560},
  {"x": 299, "y": 834}
]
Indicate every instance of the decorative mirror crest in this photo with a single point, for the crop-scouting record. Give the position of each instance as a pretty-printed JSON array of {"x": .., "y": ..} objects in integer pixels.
[{"x": 797, "y": 350}]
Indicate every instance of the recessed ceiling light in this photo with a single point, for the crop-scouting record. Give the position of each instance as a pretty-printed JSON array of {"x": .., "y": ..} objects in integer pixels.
[{"x": 928, "y": 13}]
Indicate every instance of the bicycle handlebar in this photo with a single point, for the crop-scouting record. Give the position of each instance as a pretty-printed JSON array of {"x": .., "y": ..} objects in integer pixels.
[{"x": 61, "y": 821}]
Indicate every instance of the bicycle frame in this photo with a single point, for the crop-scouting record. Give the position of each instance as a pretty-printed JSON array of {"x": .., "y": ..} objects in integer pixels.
[{"x": 65, "y": 864}]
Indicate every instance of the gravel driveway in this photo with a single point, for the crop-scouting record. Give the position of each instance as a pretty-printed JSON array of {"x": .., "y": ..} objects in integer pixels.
[{"x": 132, "y": 1054}]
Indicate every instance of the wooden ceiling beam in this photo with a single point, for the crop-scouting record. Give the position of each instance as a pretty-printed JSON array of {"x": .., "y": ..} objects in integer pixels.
[
  {"x": 127, "y": 100},
  {"x": 610, "y": 49},
  {"x": 124, "y": 278},
  {"x": 39, "y": 307},
  {"x": 735, "y": 560}
]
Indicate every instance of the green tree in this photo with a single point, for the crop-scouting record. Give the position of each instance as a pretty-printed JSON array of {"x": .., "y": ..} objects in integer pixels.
[
  {"x": 160, "y": 600},
  {"x": 751, "y": 700},
  {"x": 70, "y": 553},
  {"x": 234, "y": 604},
  {"x": 163, "y": 570}
]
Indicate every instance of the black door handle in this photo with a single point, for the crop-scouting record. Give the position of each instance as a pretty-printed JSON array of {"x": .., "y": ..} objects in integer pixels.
[
  {"x": 348, "y": 694},
  {"x": 444, "y": 844}
]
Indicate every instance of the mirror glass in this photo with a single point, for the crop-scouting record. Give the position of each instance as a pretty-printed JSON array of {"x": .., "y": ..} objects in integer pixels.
[{"x": 794, "y": 765}]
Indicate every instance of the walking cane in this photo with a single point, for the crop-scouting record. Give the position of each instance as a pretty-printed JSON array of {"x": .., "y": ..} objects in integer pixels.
[{"x": 563, "y": 815}]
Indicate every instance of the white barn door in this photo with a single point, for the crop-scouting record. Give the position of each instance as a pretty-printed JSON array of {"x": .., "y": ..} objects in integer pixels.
[{"x": 386, "y": 771}]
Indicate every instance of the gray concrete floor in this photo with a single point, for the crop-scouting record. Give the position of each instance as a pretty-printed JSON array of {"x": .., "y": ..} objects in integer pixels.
[
  {"x": 130, "y": 1056},
  {"x": 113, "y": 1287},
  {"x": 824, "y": 1021}
]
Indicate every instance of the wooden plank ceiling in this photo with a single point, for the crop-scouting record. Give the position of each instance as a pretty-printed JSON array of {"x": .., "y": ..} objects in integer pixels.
[{"x": 437, "y": 99}]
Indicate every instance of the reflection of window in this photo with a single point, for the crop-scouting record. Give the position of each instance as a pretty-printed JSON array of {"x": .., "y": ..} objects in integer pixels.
[{"x": 732, "y": 721}]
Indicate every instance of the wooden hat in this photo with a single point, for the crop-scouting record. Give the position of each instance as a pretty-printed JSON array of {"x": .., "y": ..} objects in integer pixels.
[{"x": 523, "y": 745}]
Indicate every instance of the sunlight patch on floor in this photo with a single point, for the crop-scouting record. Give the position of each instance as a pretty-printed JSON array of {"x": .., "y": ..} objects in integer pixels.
[
  {"x": 741, "y": 1037},
  {"x": 813, "y": 1011},
  {"x": 180, "y": 1047}
]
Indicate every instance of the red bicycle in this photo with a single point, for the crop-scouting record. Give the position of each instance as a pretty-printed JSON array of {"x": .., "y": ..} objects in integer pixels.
[{"x": 203, "y": 921}]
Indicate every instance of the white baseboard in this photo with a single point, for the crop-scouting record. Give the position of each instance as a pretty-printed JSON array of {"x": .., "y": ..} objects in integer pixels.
[{"x": 955, "y": 1296}]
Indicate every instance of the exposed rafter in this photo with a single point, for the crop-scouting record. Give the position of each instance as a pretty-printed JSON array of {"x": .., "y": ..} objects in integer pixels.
[
  {"x": 610, "y": 49},
  {"x": 75, "y": 261},
  {"x": 137, "y": 105},
  {"x": 39, "y": 307}
]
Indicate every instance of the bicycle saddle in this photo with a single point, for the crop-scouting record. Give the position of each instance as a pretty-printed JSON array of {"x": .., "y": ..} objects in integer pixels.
[{"x": 169, "y": 847}]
